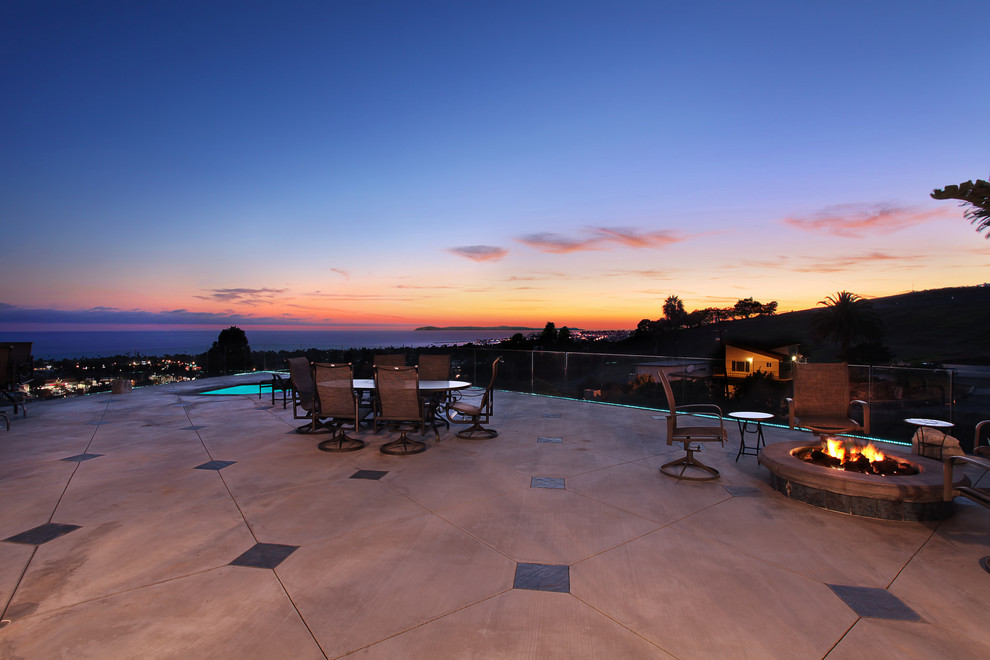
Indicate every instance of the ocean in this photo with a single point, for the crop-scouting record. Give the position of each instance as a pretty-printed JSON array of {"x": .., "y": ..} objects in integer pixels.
[{"x": 65, "y": 345}]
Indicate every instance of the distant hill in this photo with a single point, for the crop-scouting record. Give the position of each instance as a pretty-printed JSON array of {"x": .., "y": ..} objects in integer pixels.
[{"x": 946, "y": 326}]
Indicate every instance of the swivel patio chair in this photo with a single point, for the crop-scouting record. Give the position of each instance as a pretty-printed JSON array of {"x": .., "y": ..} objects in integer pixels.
[
  {"x": 477, "y": 410},
  {"x": 338, "y": 404},
  {"x": 436, "y": 367},
  {"x": 390, "y": 360},
  {"x": 10, "y": 388},
  {"x": 689, "y": 436},
  {"x": 821, "y": 401},
  {"x": 400, "y": 406},
  {"x": 303, "y": 391}
]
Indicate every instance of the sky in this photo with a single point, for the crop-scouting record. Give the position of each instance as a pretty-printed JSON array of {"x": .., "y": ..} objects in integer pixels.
[{"x": 180, "y": 164}]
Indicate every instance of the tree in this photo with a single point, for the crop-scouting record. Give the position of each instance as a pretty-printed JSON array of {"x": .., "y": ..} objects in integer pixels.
[
  {"x": 549, "y": 335},
  {"x": 977, "y": 196},
  {"x": 847, "y": 317},
  {"x": 673, "y": 311},
  {"x": 747, "y": 307},
  {"x": 230, "y": 352},
  {"x": 564, "y": 336}
]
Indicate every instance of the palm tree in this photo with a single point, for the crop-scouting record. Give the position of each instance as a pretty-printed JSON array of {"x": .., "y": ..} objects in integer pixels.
[
  {"x": 977, "y": 195},
  {"x": 847, "y": 317},
  {"x": 673, "y": 311}
]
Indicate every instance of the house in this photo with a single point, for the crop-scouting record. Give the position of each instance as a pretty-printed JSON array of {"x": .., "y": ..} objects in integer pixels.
[{"x": 741, "y": 361}]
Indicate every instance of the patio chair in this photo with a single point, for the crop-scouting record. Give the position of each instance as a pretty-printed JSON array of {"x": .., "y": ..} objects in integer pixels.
[
  {"x": 21, "y": 362},
  {"x": 9, "y": 387},
  {"x": 390, "y": 360},
  {"x": 400, "y": 406},
  {"x": 436, "y": 367},
  {"x": 280, "y": 384},
  {"x": 478, "y": 410},
  {"x": 688, "y": 436},
  {"x": 303, "y": 391},
  {"x": 337, "y": 402},
  {"x": 821, "y": 400}
]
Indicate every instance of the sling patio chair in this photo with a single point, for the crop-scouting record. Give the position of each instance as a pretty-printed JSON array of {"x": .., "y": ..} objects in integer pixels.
[
  {"x": 400, "y": 406},
  {"x": 303, "y": 391},
  {"x": 338, "y": 404},
  {"x": 436, "y": 367},
  {"x": 689, "y": 436},
  {"x": 821, "y": 401},
  {"x": 477, "y": 410},
  {"x": 10, "y": 388}
]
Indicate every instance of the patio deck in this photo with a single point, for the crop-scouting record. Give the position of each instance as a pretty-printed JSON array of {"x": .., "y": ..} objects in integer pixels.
[{"x": 558, "y": 539}]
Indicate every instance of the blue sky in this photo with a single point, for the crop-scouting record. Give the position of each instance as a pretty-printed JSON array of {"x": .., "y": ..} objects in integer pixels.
[{"x": 412, "y": 163}]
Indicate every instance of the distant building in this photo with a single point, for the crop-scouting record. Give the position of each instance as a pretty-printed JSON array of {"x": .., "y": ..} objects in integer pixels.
[{"x": 741, "y": 361}]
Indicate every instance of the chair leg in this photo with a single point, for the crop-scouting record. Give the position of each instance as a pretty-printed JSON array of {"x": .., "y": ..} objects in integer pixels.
[
  {"x": 689, "y": 461},
  {"x": 340, "y": 442},
  {"x": 403, "y": 446},
  {"x": 477, "y": 431}
]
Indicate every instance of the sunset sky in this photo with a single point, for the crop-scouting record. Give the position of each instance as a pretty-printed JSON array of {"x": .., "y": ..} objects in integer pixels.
[{"x": 465, "y": 162}]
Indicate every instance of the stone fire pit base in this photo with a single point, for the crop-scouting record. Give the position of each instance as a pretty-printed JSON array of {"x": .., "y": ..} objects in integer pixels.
[{"x": 910, "y": 497}]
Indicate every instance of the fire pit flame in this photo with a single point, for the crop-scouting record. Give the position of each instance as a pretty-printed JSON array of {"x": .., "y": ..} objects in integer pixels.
[{"x": 843, "y": 455}]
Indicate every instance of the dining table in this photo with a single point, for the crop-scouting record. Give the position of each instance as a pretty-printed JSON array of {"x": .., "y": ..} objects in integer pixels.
[{"x": 433, "y": 391}]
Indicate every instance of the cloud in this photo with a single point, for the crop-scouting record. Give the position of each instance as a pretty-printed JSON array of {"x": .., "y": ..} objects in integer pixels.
[
  {"x": 600, "y": 238},
  {"x": 342, "y": 272},
  {"x": 856, "y": 220},
  {"x": 479, "y": 252},
  {"x": 243, "y": 296}
]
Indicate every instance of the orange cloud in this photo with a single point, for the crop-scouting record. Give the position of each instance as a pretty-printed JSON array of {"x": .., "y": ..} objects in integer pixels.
[
  {"x": 855, "y": 220},
  {"x": 601, "y": 238},
  {"x": 479, "y": 252},
  {"x": 243, "y": 296}
]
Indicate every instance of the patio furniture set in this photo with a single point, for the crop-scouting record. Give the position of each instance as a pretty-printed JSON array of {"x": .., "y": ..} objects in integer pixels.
[
  {"x": 399, "y": 397},
  {"x": 821, "y": 405}
]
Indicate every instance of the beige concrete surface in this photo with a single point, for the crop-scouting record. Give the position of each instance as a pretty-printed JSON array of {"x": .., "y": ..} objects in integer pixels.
[{"x": 421, "y": 563}]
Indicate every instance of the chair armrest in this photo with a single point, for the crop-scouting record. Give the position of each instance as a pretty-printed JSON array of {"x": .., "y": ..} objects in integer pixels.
[
  {"x": 709, "y": 407},
  {"x": 947, "y": 487},
  {"x": 790, "y": 412},
  {"x": 866, "y": 414},
  {"x": 976, "y": 436}
]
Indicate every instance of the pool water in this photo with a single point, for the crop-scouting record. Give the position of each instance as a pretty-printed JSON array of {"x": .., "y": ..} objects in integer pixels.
[{"x": 236, "y": 389}]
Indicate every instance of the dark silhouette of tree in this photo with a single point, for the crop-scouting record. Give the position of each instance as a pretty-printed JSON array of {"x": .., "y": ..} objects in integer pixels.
[
  {"x": 847, "y": 317},
  {"x": 673, "y": 311},
  {"x": 976, "y": 195},
  {"x": 748, "y": 307},
  {"x": 564, "y": 337},
  {"x": 230, "y": 352},
  {"x": 549, "y": 335}
]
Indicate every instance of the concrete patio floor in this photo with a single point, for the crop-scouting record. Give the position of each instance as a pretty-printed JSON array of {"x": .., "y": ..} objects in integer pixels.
[{"x": 557, "y": 539}]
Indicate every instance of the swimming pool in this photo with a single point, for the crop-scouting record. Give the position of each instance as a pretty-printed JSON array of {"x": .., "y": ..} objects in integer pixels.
[{"x": 251, "y": 388}]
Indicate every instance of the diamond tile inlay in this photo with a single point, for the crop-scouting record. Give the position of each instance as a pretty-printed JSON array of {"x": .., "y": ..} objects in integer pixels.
[
  {"x": 543, "y": 577},
  {"x": 214, "y": 465},
  {"x": 42, "y": 534},
  {"x": 265, "y": 555},
  {"x": 547, "y": 482},
  {"x": 874, "y": 603},
  {"x": 369, "y": 474},
  {"x": 549, "y": 439},
  {"x": 79, "y": 458}
]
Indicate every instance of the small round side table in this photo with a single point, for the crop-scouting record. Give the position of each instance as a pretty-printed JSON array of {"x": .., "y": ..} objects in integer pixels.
[{"x": 744, "y": 418}]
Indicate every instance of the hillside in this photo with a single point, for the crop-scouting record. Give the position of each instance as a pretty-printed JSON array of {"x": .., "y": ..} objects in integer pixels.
[{"x": 947, "y": 326}]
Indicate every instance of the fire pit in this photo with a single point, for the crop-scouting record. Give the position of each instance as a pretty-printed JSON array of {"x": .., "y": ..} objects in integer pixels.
[{"x": 892, "y": 487}]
